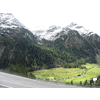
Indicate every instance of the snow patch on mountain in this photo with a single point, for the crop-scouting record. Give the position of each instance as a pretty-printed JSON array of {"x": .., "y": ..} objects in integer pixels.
[
  {"x": 7, "y": 20},
  {"x": 53, "y": 32},
  {"x": 78, "y": 28},
  {"x": 47, "y": 33},
  {"x": 10, "y": 26}
]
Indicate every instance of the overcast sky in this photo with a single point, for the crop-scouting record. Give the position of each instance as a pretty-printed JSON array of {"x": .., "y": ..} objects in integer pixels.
[{"x": 90, "y": 21}]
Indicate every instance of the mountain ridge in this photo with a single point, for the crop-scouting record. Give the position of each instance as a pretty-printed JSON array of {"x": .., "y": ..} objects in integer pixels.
[
  {"x": 50, "y": 36},
  {"x": 18, "y": 45},
  {"x": 61, "y": 47}
]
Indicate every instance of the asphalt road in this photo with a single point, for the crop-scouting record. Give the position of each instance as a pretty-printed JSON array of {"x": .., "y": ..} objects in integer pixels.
[{"x": 14, "y": 81}]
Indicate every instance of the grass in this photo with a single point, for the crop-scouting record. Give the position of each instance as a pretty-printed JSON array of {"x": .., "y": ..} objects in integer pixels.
[
  {"x": 87, "y": 65},
  {"x": 62, "y": 73},
  {"x": 92, "y": 73},
  {"x": 58, "y": 73}
]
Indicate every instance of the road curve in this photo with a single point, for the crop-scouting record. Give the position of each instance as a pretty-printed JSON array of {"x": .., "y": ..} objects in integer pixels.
[{"x": 14, "y": 81}]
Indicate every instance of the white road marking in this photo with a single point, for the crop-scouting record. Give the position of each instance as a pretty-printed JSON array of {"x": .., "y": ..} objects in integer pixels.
[
  {"x": 5, "y": 86},
  {"x": 15, "y": 84}
]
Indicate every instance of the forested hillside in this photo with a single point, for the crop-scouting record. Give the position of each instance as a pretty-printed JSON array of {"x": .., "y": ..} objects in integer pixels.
[
  {"x": 72, "y": 47},
  {"x": 19, "y": 48},
  {"x": 24, "y": 52}
]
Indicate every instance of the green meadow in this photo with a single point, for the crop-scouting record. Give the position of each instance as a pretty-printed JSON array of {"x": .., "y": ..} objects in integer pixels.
[
  {"x": 60, "y": 74},
  {"x": 92, "y": 73},
  {"x": 87, "y": 65}
]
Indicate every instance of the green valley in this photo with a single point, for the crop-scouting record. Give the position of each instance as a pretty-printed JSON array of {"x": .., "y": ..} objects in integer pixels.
[
  {"x": 58, "y": 73},
  {"x": 92, "y": 73},
  {"x": 61, "y": 56},
  {"x": 68, "y": 75}
]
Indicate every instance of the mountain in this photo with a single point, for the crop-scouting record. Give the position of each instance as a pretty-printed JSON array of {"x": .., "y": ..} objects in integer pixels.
[
  {"x": 80, "y": 29},
  {"x": 73, "y": 39},
  {"x": 7, "y": 20},
  {"x": 47, "y": 33},
  {"x": 10, "y": 26},
  {"x": 44, "y": 47},
  {"x": 18, "y": 45},
  {"x": 53, "y": 32}
]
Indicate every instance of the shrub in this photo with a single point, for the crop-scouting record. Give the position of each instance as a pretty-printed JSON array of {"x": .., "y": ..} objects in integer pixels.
[
  {"x": 86, "y": 83},
  {"x": 98, "y": 80},
  {"x": 32, "y": 75},
  {"x": 91, "y": 82},
  {"x": 80, "y": 82},
  {"x": 71, "y": 82},
  {"x": 98, "y": 77},
  {"x": 83, "y": 67},
  {"x": 18, "y": 69}
]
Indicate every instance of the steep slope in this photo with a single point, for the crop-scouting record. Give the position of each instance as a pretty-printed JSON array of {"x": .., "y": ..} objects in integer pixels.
[
  {"x": 86, "y": 36},
  {"x": 8, "y": 20},
  {"x": 59, "y": 46},
  {"x": 94, "y": 40},
  {"x": 53, "y": 32},
  {"x": 80, "y": 29},
  {"x": 75, "y": 44},
  {"x": 46, "y": 33},
  {"x": 18, "y": 45},
  {"x": 78, "y": 44}
]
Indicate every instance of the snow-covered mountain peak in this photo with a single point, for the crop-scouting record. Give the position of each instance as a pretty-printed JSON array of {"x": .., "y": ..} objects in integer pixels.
[
  {"x": 81, "y": 30},
  {"x": 54, "y": 26},
  {"x": 7, "y": 20},
  {"x": 10, "y": 26},
  {"x": 53, "y": 32},
  {"x": 72, "y": 24},
  {"x": 47, "y": 33}
]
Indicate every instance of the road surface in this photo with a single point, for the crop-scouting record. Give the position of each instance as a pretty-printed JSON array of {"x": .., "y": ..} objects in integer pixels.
[{"x": 14, "y": 81}]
